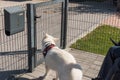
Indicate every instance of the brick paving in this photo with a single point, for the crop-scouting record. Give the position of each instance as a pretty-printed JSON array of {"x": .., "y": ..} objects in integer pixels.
[{"x": 90, "y": 63}]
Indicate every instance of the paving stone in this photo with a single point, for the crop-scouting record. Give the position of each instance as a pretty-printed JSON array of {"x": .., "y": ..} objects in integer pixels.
[{"x": 90, "y": 68}]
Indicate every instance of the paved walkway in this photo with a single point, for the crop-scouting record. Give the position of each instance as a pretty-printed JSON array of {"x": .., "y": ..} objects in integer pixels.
[{"x": 90, "y": 63}]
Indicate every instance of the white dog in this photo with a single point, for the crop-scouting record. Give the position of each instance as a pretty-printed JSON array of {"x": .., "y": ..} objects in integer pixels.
[{"x": 60, "y": 61}]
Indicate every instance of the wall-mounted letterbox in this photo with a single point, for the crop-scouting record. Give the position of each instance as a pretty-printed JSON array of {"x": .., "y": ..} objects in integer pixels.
[{"x": 14, "y": 18}]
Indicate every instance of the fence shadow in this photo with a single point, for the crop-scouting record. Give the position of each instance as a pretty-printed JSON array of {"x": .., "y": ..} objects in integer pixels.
[{"x": 8, "y": 75}]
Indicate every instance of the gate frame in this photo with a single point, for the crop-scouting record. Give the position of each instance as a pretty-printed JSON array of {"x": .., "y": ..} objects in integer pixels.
[
  {"x": 31, "y": 25},
  {"x": 31, "y": 37},
  {"x": 64, "y": 21}
]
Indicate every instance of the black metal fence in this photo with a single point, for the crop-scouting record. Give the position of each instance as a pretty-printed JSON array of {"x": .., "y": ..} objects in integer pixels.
[
  {"x": 21, "y": 52},
  {"x": 86, "y": 16},
  {"x": 13, "y": 51}
]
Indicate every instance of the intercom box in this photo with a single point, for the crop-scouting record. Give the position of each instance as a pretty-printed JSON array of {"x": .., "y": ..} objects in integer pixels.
[{"x": 14, "y": 18}]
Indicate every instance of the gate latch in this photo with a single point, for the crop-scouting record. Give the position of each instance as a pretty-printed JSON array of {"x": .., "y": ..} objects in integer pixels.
[{"x": 37, "y": 17}]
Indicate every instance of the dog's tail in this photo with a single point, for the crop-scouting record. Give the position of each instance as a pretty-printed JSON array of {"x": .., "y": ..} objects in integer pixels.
[
  {"x": 76, "y": 74},
  {"x": 76, "y": 71},
  {"x": 115, "y": 43}
]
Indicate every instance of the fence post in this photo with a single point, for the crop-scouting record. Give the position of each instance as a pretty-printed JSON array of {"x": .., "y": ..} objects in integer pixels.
[
  {"x": 64, "y": 20},
  {"x": 31, "y": 37}
]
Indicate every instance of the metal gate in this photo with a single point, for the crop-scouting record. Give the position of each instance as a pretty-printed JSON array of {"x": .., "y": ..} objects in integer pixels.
[
  {"x": 49, "y": 17},
  {"x": 21, "y": 52}
]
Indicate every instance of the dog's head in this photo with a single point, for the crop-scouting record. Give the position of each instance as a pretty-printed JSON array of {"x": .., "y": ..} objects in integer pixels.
[{"x": 48, "y": 40}]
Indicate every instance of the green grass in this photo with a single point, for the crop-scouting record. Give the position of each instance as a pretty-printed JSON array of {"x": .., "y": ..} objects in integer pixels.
[{"x": 98, "y": 41}]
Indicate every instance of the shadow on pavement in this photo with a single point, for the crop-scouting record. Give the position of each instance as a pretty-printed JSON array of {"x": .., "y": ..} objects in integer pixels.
[{"x": 10, "y": 75}]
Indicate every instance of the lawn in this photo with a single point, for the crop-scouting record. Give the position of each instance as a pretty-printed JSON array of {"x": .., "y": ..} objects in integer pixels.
[{"x": 98, "y": 41}]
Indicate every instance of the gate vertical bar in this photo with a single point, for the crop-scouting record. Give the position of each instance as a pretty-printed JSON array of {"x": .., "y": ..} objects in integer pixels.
[
  {"x": 35, "y": 36},
  {"x": 31, "y": 37},
  {"x": 64, "y": 18}
]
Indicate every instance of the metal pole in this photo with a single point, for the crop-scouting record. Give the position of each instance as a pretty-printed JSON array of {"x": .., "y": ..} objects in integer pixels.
[
  {"x": 64, "y": 18},
  {"x": 31, "y": 37},
  {"x": 35, "y": 36}
]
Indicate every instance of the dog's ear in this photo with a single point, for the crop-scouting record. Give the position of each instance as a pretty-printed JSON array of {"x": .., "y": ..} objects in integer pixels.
[
  {"x": 56, "y": 39},
  {"x": 46, "y": 35}
]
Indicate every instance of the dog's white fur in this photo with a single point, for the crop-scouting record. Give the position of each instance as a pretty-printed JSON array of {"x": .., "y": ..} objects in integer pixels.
[{"x": 60, "y": 61}]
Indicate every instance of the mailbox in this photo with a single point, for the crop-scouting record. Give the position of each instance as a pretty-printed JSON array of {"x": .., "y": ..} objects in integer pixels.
[{"x": 14, "y": 18}]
